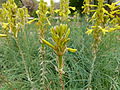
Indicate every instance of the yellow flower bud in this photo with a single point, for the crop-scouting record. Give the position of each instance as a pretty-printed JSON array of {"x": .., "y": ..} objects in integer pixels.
[
  {"x": 3, "y": 35},
  {"x": 47, "y": 43},
  {"x": 71, "y": 50}
]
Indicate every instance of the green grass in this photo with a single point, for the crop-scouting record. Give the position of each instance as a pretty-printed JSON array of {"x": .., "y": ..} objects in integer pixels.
[{"x": 77, "y": 66}]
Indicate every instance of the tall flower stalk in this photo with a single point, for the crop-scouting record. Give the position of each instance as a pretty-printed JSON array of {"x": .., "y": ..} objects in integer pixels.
[
  {"x": 52, "y": 12},
  {"x": 100, "y": 19},
  {"x": 52, "y": 8},
  {"x": 97, "y": 29},
  {"x": 13, "y": 20},
  {"x": 60, "y": 39},
  {"x": 42, "y": 24},
  {"x": 87, "y": 8},
  {"x": 64, "y": 10}
]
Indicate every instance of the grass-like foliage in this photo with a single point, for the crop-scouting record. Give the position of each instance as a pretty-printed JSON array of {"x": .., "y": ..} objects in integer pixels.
[
  {"x": 37, "y": 57},
  {"x": 77, "y": 65}
]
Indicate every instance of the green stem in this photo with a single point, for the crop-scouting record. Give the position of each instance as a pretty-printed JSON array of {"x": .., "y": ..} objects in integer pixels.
[
  {"x": 42, "y": 65},
  {"x": 60, "y": 63},
  {"x": 91, "y": 73},
  {"x": 95, "y": 46},
  {"x": 60, "y": 70}
]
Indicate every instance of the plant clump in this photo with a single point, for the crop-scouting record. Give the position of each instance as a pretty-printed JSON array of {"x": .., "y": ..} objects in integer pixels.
[
  {"x": 60, "y": 37},
  {"x": 12, "y": 18}
]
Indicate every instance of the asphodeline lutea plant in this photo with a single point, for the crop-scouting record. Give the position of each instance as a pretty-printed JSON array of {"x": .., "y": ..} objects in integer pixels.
[
  {"x": 87, "y": 7},
  {"x": 1, "y": 18},
  {"x": 52, "y": 12},
  {"x": 52, "y": 8},
  {"x": 64, "y": 10},
  {"x": 114, "y": 13},
  {"x": 13, "y": 18},
  {"x": 60, "y": 37},
  {"x": 43, "y": 24},
  {"x": 43, "y": 21},
  {"x": 100, "y": 19}
]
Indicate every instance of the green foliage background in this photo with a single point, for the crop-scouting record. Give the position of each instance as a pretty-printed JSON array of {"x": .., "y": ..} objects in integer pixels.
[{"x": 106, "y": 75}]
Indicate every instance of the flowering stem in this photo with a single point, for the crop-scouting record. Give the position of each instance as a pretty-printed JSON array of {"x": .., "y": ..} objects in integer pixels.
[
  {"x": 60, "y": 62},
  {"x": 91, "y": 73},
  {"x": 95, "y": 49},
  {"x": 42, "y": 64},
  {"x": 60, "y": 67}
]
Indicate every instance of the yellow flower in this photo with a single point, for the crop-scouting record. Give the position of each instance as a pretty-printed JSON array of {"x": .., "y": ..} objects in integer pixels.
[
  {"x": 4, "y": 25},
  {"x": 89, "y": 31},
  {"x": 3, "y": 35},
  {"x": 71, "y": 50}
]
